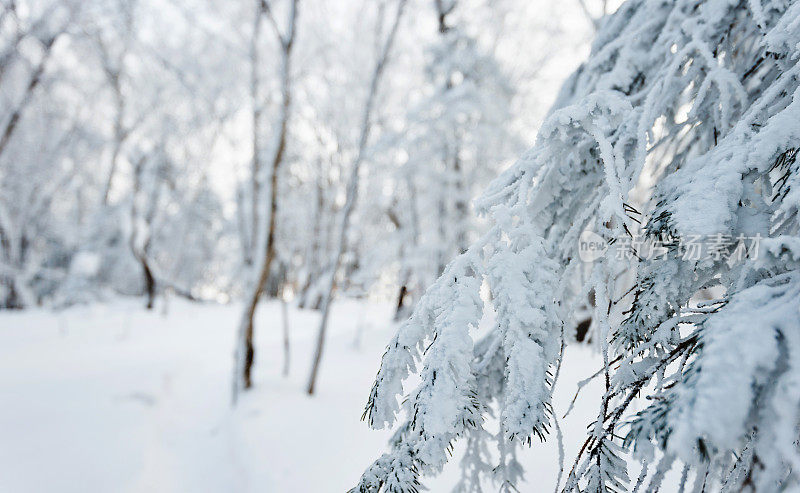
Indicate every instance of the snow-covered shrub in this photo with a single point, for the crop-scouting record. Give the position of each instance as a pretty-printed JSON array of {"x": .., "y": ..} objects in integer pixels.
[{"x": 681, "y": 130}]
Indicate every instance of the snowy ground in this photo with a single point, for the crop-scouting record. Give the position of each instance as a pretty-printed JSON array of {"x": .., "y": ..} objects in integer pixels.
[{"x": 110, "y": 398}]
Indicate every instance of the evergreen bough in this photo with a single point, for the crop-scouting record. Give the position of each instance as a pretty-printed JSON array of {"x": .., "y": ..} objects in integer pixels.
[{"x": 684, "y": 123}]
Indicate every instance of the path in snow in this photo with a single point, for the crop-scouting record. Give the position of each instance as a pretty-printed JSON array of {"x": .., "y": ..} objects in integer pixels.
[{"x": 110, "y": 398}]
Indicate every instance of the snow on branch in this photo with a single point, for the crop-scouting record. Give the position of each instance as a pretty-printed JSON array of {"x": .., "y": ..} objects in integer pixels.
[{"x": 674, "y": 148}]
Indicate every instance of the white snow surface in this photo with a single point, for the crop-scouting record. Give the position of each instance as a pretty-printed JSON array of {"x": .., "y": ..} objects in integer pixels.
[{"x": 111, "y": 398}]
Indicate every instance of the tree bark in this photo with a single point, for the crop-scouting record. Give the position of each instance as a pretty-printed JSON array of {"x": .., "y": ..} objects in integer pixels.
[
  {"x": 149, "y": 282},
  {"x": 245, "y": 351},
  {"x": 400, "y": 309}
]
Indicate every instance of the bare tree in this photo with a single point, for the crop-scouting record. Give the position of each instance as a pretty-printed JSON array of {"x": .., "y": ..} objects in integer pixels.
[
  {"x": 140, "y": 239},
  {"x": 34, "y": 81},
  {"x": 352, "y": 189},
  {"x": 114, "y": 68},
  {"x": 18, "y": 260},
  {"x": 250, "y": 235},
  {"x": 245, "y": 352}
]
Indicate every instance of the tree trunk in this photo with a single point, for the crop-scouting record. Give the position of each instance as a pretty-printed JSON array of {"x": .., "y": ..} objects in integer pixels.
[
  {"x": 245, "y": 351},
  {"x": 401, "y": 309},
  {"x": 352, "y": 194},
  {"x": 12, "y": 300},
  {"x": 314, "y": 252},
  {"x": 410, "y": 279},
  {"x": 149, "y": 283},
  {"x": 119, "y": 135},
  {"x": 255, "y": 166}
]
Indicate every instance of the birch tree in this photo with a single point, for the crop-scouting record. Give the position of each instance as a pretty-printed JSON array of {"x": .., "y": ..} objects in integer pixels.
[
  {"x": 352, "y": 188},
  {"x": 245, "y": 351}
]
